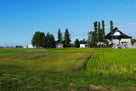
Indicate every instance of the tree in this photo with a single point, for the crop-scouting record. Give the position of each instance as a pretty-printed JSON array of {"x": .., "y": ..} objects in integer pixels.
[
  {"x": 99, "y": 32},
  {"x": 59, "y": 36},
  {"x": 38, "y": 39},
  {"x": 111, "y": 27},
  {"x": 93, "y": 35},
  {"x": 95, "y": 26},
  {"x": 101, "y": 36},
  {"x": 77, "y": 43},
  {"x": 96, "y": 30},
  {"x": 35, "y": 39},
  {"x": 83, "y": 41},
  {"x": 50, "y": 41},
  {"x": 92, "y": 38},
  {"x": 103, "y": 28},
  {"x": 67, "y": 39},
  {"x": 47, "y": 37},
  {"x": 43, "y": 40},
  {"x": 133, "y": 41},
  {"x": 89, "y": 38}
]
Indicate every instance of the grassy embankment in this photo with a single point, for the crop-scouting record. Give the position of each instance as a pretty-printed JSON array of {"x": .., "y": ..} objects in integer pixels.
[{"x": 67, "y": 69}]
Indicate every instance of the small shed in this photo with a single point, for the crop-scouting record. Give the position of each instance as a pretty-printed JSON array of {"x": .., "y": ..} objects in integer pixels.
[
  {"x": 59, "y": 45},
  {"x": 83, "y": 45}
]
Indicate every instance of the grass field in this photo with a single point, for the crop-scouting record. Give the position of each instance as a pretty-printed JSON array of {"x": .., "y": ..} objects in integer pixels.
[{"x": 69, "y": 69}]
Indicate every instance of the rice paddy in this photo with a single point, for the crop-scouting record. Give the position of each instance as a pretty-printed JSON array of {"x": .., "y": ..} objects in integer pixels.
[{"x": 70, "y": 69}]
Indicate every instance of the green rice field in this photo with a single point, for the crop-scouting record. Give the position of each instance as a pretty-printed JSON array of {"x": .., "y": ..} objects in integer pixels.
[{"x": 68, "y": 69}]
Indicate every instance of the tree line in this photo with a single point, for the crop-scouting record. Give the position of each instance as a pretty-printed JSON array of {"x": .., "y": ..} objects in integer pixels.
[
  {"x": 96, "y": 38},
  {"x": 42, "y": 40}
]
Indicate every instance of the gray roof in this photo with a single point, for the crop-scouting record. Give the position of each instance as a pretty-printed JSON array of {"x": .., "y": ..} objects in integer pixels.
[{"x": 120, "y": 35}]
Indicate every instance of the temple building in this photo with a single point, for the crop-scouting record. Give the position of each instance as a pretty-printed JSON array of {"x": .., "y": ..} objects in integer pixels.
[{"x": 118, "y": 39}]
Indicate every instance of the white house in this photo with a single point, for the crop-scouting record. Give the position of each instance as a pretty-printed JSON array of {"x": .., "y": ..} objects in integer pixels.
[
  {"x": 59, "y": 45},
  {"x": 118, "y": 39}
]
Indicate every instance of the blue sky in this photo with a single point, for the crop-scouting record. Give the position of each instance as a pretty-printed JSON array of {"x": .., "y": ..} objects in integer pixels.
[{"x": 20, "y": 19}]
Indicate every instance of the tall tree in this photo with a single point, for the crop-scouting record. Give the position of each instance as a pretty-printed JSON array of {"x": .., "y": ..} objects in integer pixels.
[
  {"x": 92, "y": 39},
  {"x": 133, "y": 41},
  {"x": 59, "y": 36},
  {"x": 89, "y": 38},
  {"x": 50, "y": 41},
  {"x": 103, "y": 28},
  {"x": 77, "y": 43},
  {"x": 111, "y": 26},
  {"x": 67, "y": 39},
  {"x": 83, "y": 41},
  {"x": 96, "y": 29},
  {"x": 43, "y": 40},
  {"x": 38, "y": 39},
  {"x": 95, "y": 26},
  {"x": 99, "y": 31},
  {"x": 101, "y": 36}
]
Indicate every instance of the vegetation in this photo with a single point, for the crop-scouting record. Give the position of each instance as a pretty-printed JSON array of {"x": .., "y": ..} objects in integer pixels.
[
  {"x": 101, "y": 32},
  {"x": 67, "y": 38},
  {"x": 50, "y": 41},
  {"x": 111, "y": 26},
  {"x": 77, "y": 43},
  {"x": 98, "y": 35},
  {"x": 92, "y": 39},
  {"x": 38, "y": 39},
  {"x": 70, "y": 69},
  {"x": 60, "y": 38},
  {"x": 103, "y": 28},
  {"x": 96, "y": 38},
  {"x": 83, "y": 41},
  {"x": 45, "y": 41},
  {"x": 133, "y": 41}
]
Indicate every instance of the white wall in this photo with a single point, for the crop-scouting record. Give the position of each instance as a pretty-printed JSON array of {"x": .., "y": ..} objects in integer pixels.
[
  {"x": 59, "y": 45},
  {"x": 123, "y": 43},
  {"x": 116, "y": 41},
  {"x": 126, "y": 40},
  {"x": 82, "y": 45},
  {"x": 29, "y": 46}
]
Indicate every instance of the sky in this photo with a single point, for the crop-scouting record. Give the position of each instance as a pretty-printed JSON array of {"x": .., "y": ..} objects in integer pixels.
[{"x": 20, "y": 19}]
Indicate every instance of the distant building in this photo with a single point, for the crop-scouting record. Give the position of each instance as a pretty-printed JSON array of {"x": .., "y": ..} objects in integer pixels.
[
  {"x": 29, "y": 46},
  {"x": 118, "y": 39},
  {"x": 18, "y": 46},
  {"x": 59, "y": 45},
  {"x": 83, "y": 45}
]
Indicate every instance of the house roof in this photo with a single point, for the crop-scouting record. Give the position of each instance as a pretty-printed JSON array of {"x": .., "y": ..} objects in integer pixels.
[{"x": 117, "y": 34}]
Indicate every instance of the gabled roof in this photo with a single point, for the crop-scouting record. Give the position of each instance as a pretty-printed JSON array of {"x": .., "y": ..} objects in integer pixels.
[{"x": 117, "y": 34}]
